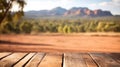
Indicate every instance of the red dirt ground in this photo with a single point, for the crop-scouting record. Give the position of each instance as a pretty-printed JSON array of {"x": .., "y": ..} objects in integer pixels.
[{"x": 59, "y": 43}]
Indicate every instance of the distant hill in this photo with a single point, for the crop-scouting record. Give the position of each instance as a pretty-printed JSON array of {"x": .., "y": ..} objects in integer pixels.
[
  {"x": 75, "y": 11},
  {"x": 83, "y": 11}
]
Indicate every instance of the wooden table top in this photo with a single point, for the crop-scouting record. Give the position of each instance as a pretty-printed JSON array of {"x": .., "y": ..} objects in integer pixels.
[{"x": 9, "y": 59}]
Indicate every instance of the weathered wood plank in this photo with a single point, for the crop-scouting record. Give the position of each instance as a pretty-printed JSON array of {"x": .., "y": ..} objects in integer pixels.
[
  {"x": 34, "y": 62},
  {"x": 4, "y": 54},
  {"x": 89, "y": 61},
  {"x": 73, "y": 60},
  {"x": 24, "y": 60},
  {"x": 51, "y": 60},
  {"x": 104, "y": 60},
  {"x": 115, "y": 56},
  {"x": 11, "y": 60}
]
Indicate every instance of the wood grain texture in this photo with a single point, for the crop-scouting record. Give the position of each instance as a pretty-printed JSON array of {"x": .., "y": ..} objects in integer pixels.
[
  {"x": 51, "y": 60},
  {"x": 12, "y": 59},
  {"x": 26, "y": 59},
  {"x": 88, "y": 60},
  {"x": 73, "y": 60},
  {"x": 115, "y": 56},
  {"x": 34, "y": 62},
  {"x": 59, "y": 60},
  {"x": 4, "y": 54},
  {"x": 104, "y": 60}
]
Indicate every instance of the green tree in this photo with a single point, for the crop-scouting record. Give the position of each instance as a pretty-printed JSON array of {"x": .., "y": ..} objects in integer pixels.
[
  {"x": 5, "y": 9},
  {"x": 80, "y": 28},
  {"x": 65, "y": 29},
  {"x": 26, "y": 27},
  {"x": 100, "y": 27},
  {"x": 60, "y": 29},
  {"x": 69, "y": 29}
]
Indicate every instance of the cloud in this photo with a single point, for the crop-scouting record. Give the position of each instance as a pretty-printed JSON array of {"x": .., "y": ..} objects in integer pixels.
[
  {"x": 47, "y": 4},
  {"x": 104, "y": 4},
  {"x": 118, "y": 1},
  {"x": 93, "y": 4},
  {"x": 112, "y": 6},
  {"x": 113, "y": 3}
]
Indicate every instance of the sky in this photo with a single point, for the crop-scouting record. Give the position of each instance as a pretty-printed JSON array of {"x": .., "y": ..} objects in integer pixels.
[{"x": 111, "y": 5}]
